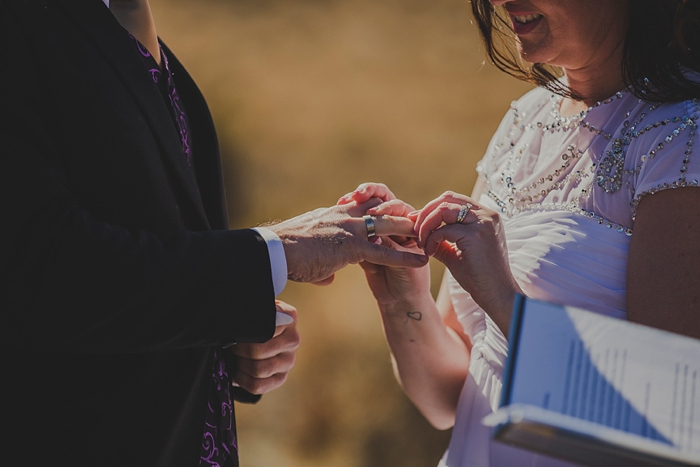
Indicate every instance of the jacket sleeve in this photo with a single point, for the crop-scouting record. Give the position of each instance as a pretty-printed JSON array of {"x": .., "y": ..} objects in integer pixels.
[{"x": 72, "y": 282}]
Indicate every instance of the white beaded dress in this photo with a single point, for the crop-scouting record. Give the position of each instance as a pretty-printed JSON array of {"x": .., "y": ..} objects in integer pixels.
[{"x": 567, "y": 190}]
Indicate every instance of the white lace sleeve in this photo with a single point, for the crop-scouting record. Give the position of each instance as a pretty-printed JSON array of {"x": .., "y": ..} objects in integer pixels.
[{"x": 665, "y": 156}]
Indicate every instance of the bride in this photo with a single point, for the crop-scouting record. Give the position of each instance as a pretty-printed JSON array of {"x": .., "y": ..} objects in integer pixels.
[{"x": 563, "y": 207}]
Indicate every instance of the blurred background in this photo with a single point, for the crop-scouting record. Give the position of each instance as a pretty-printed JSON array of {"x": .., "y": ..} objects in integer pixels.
[{"x": 310, "y": 99}]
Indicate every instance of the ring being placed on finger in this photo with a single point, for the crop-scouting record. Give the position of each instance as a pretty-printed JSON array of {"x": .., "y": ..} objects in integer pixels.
[
  {"x": 369, "y": 223},
  {"x": 463, "y": 212}
]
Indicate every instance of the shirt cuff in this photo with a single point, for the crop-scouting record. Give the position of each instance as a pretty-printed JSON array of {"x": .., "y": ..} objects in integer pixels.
[{"x": 278, "y": 260}]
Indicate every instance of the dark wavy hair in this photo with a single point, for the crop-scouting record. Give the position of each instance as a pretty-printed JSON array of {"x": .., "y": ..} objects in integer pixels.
[{"x": 662, "y": 44}]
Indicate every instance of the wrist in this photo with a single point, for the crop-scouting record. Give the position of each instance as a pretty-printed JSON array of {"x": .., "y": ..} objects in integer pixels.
[
  {"x": 502, "y": 310},
  {"x": 401, "y": 307}
]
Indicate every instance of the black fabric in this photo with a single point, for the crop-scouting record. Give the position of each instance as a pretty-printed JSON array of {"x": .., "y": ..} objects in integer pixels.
[{"x": 118, "y": 278}]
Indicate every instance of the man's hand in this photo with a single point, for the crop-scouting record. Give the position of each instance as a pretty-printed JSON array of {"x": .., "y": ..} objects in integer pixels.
[
  {"x": 320, "y": 242},
  {"x": 263, "y": 367}
]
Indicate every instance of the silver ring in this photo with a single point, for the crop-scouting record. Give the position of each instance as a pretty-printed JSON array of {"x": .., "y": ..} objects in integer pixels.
[
  {"x": 463, "y": 212},
  {"x": 369, "y": 223}
]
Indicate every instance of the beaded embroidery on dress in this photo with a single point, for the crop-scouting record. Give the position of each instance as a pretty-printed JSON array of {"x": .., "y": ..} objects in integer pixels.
[
  {"x": 609, "y": 168},
  {"x": 567, "y": 190}
]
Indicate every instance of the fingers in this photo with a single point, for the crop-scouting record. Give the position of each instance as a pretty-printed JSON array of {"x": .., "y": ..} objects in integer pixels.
[
  {"x": 360, "y": 209},
  {"x": 261, "y": 368},
  {"x": 367, "y": 191},
  {"x": 267, "y": 368},
  {"x": 257, "y": 381},
  {"x": 446, "y": 197},
  {"x": 436, "y": 242},
  {"x": 327, "y": 281},
  {"x": 384, "y": 256},
  {"x": 448, "y": 210},
  {"x": 385, "y": 226},
  {"x": 394, "y": 207}
]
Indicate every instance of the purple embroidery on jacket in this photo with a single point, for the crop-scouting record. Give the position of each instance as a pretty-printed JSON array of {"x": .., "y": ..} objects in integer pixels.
[
  {"x": 219, "y": 447},
  {"x": 177, "y": 111},
  {"x": 144, "y": 51}
]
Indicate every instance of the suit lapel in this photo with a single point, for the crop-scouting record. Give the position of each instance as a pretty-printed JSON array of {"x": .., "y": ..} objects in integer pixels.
[
  {"x": 110, "y": 38},
  {"x": 204, "y": 140}
]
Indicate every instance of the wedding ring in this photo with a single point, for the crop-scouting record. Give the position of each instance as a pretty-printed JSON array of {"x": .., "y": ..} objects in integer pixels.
[
  {"x": 369, "y": 223},
  {"x": 463, "y": 212}
]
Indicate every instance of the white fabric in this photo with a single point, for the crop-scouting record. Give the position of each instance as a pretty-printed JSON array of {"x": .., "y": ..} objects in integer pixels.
[
  {"x": 278, "y": 259},
  {"x": 569, "y": 246}
]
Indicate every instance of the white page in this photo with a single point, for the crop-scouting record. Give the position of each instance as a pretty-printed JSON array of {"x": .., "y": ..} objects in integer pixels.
[{"x": 625, "y": 376}]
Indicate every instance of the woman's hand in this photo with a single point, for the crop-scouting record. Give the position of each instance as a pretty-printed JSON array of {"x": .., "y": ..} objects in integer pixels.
[
  {"x": 263, "y": 367},
  {"x": 431, "y": 360},
  {"x": 367, "y": 191},
  {"x": 390, "y": 285},
  {"x": 471, "y": 242}
]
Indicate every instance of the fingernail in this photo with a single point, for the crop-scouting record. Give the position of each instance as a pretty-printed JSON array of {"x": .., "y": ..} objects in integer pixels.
[{"x": 412, "y": 213}]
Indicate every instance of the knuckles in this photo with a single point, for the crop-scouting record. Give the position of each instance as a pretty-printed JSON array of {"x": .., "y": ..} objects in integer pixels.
[
  {"x": 263, "y": 386},
  {"x": 444, "y": 206},
  {"x": 280, "y": 364}
]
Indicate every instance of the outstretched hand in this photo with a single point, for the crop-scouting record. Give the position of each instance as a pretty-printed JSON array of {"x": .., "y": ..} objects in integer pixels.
[{"x": 320, "y": 242}]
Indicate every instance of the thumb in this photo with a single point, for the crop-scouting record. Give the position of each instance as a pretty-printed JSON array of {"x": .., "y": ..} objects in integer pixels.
[
  {"x": 385, "y": 256},
  {"x": 327, "y": 281},
  {"x": 447, "y": 254}
]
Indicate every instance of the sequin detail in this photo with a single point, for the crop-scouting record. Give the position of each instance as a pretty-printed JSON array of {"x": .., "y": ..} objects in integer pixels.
[{"x": 606, "y": 165}]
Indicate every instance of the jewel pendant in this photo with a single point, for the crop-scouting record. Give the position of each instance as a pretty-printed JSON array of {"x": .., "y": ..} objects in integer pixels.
[{"x": 609, "y": 173}]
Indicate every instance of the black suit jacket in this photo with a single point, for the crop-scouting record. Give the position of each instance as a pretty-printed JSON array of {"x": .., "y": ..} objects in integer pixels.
[{"x": 118, "y": 278}]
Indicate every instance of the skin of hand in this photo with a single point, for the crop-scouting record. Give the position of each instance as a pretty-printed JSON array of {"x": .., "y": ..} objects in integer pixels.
[
  {"x": 320, "y": 242},
  {"x": 263, "y": 367},
  {"x": 430, "y": 356},
  {"x": 390, "y": 284},
  {"x": 474, "y": 251}
]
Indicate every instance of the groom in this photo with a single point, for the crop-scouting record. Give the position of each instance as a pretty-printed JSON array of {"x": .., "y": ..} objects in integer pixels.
[{"x": 127, "y": 309}]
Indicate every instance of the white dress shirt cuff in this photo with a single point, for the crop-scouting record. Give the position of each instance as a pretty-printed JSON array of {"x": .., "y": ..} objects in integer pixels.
[{"x": 278, "y": 260}]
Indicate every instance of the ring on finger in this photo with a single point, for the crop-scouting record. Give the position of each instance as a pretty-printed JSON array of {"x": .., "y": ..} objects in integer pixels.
[
  {"x": 369, "y": 224},
  {"x": 463, "y": 211}
]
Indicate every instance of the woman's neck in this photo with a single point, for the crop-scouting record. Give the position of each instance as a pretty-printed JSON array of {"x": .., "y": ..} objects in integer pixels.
[
  {"x": 594, "y": 82},
  {"x": 592, "y": 91}
]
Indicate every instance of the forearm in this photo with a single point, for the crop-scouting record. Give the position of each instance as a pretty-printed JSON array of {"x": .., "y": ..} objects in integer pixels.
[
  {"x": 430, "y": 360},
  {"x": 71, "y": 283}
]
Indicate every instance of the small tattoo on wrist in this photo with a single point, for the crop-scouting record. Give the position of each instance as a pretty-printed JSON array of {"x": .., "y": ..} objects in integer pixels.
[{"x": 415, "y": 315}]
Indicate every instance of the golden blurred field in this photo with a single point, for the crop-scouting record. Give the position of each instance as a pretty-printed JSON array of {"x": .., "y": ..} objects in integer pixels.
[{"x": 311, "y": 98}]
